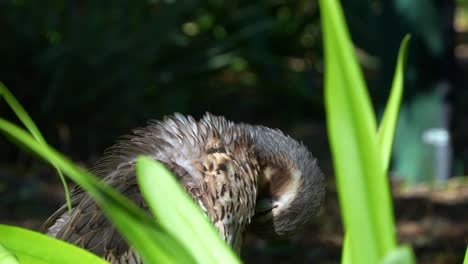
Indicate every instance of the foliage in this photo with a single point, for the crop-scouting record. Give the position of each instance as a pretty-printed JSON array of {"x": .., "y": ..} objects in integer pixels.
[
  {"x": 32, "y": 247},
  {"x": 165, "y": 56},
  {"x": 32, "y": 128},
  {"x": 6, "y": 257},
  {"x": 136, "y": 60},
  {"x": 183, "y": 219},
  {"x": 155, "y": 240},
  {"x": 361, "y": 154}
]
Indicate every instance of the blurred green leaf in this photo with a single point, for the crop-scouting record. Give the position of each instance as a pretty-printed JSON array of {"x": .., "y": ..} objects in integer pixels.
[
  {"x": 6, "y": 257},
  {"x": 387, "y": 127},
  {"x": 355, "y": 154},
  {"x": 32, "y": 128},
  {"x": 21, "y": 113},
  {"x": 362, "y": 184},
  {"x": 182, "y": 219},
  {"x": 153, "y": 244},
  {"x": 399, "y": 255},
  {"x": 34, "y": 247}
]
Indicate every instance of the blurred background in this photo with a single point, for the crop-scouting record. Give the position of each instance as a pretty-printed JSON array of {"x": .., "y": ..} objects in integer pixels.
[{"x": 90, "y": 71}]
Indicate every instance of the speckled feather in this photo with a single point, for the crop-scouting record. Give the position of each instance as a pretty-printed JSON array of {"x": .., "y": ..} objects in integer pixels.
[{"x": 227, "y": 168}]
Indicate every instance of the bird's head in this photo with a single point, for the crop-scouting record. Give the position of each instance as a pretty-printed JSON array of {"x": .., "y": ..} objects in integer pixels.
[{"x": 290, "y": 186}]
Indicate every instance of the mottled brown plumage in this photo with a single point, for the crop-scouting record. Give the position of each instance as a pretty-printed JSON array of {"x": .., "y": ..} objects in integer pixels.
[{"x": 242, "y": 176}]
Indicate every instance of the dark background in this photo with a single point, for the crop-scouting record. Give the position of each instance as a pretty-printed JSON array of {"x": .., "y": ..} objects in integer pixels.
[{"x": 90, "y": 71}]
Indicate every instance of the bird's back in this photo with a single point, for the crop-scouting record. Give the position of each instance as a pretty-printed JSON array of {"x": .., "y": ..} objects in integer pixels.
[{"x": 212, "y": 158}]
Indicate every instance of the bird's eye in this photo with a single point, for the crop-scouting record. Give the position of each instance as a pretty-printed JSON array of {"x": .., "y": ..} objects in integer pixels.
[{"x": 265, "y": 206}]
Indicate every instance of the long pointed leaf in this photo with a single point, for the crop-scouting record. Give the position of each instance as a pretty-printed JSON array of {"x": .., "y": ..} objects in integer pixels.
[
  {"x": 23, "y": 116},
  {"x": 19, "y": 240},
  {"x": 178, "y": 214},
  {"x": 387, "y": 127},
  {"x": 353, "y": 138},
  {"x": 153, "y": 244},
  {"x": 389, "y": 120},
  {"x": 351, "y": 186}
]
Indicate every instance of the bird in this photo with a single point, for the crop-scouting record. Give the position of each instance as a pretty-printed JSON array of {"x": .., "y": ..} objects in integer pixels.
[{"x": 245, "y": 178}]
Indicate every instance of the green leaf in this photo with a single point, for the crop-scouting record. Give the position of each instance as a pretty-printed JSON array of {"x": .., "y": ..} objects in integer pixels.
[
  {"x": 153, "y": 243},
  {"x": 387, "y": 127},
  {"x": 399, "y": 255},
  {"x": 23, "y": 116},
  {"x": 21, "y": 113},
  {"x": 34, "y": 247},
  {"x": 6, "y": 257},
  {"x": 386, "y": 131},
  {"x": 182, "y": 219},
  {"x": 362, "y": 185}
]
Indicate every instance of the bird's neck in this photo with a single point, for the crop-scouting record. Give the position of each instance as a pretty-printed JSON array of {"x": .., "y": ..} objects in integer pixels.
[{"x": 228, "y": 189}]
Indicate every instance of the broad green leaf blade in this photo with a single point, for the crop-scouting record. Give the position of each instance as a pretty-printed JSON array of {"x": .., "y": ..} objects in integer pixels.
[
  {"x": 153, "y": 244},
  {"x": 351, "y": 187},
  {"x": 389, "y": 120},
  {"x": 23, "y": 116},
  {"x": 176, "y": 212},
  {"x": 387, "y": 127},
  {"x": 399, "y": 255},
  {"x": 6, "y": 257},
  {"x": 25, "y": 245},
  {"x": 344, "y": 129},
  {"x": 333, "y": 18},
  {"x": 362, "y": 185}
]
